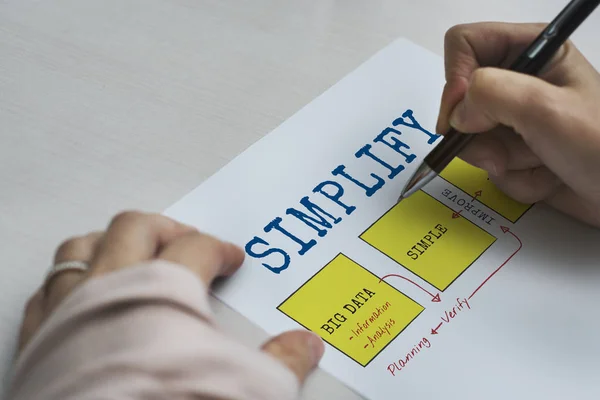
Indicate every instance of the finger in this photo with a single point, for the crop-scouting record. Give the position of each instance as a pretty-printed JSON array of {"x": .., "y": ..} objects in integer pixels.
[
  {"x": 133, "y": 237},
  {"x": 32, "y": 319},
  {"x": 572, "y": 204},
  {"x": 300, "y": 351},
  {"x": 468, "y": 47},
  {"x": 453, "y": 92},
  {"x": 488, "y": 152},
  {"x": 528, "y": 186},
  {"x": 528, "y": 105},
  {"x": 498, "y": 151},
  {"x": 62, "y": 284},
  {"x": 207, "y": 256},
  {"x": 534, "y": 109}
]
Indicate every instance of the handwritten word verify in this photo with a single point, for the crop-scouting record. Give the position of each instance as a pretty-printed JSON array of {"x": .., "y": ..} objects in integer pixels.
[{"x": 320, "y": 218}]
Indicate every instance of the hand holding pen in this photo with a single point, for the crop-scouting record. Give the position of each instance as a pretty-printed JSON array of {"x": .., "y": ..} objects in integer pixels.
[{"x": 539, "y": 135}]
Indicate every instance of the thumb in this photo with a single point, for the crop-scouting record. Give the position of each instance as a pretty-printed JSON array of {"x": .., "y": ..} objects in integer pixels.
[
  {"x": 300, "y": 351},
  {"x": 495, "y": 96}
]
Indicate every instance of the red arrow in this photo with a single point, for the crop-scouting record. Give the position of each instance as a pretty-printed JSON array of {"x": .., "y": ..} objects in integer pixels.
[
  {"x": 434, "y": 331},
  {"x": 504, "y": 230},
  {"x": 477, "y": 194},
  {"x": 435, "y": 299},
  {"x": 456, "y": 214}
]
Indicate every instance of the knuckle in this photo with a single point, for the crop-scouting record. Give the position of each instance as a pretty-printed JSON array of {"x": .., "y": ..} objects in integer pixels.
[
  {"x": 71, "y": 247},
  {"x": 478, "y": 82},
  {"x": 485, "y": 86},
  {"x": 481, "y": 79},
  {"x": 212, "y": 247},
  {"x": 456, "y": 44},
  {"x": 31, "y": 303},
  {"x": 128, "y": 218},
  {"x": 205, "y": 238},
  {"x": 94, "y": 236},
  {"x": 456, "y": 32}
]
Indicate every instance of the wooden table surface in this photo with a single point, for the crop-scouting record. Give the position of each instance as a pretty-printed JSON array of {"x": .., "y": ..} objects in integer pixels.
[{"x": 108, "y": 105}]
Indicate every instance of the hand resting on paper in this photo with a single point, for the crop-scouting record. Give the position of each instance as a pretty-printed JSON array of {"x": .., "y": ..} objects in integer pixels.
[
  {"x": 137, "y": 323},
  {"x": 540, "y": 136}
]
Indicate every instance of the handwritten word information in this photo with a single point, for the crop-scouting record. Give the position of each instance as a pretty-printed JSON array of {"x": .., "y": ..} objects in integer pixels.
[
  {"x": 324, "y": 208},
  {"x": 350, "y": 309},
  {"x": 475, "y": 182},
  {"x": 438, "y": 247}
]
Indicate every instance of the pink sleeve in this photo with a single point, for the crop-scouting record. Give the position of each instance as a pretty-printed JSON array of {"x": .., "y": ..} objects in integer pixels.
[{"x": 145, "y": 332}]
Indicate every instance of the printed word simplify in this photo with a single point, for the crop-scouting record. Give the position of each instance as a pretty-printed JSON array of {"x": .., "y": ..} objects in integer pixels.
[{"x": 276, "y": 259}]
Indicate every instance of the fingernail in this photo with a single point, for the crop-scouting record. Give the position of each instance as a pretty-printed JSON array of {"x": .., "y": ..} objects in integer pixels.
[
  {"x": 316, "y": 348},
  {"x": 458, "y": 116},
  {"x": 439, "y": 125},
  {"x": 490, "y": 167}
]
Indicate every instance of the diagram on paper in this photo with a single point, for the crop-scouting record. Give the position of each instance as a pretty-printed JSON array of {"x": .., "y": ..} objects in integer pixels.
[
  {"x": 360, "y": 313},
  {"x": 356, "y": 314},
  {"x": 409, "y": 298}
]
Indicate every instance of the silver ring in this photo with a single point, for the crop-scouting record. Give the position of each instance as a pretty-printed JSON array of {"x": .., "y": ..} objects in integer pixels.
[{"x": 66, "y": 266}]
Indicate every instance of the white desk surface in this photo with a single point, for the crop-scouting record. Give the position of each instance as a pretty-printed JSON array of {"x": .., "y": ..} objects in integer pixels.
[{"x": 108, "y": 105}]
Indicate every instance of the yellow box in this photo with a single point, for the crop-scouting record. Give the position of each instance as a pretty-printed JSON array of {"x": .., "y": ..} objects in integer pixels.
[
  {"x": 472, "y": 180},
  {"x": 421, "y": 234},
  {"x": 351, "y": 309}
]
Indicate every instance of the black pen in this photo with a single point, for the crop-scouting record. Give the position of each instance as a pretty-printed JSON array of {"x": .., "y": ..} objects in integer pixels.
[{"x": 530, "y": 62}]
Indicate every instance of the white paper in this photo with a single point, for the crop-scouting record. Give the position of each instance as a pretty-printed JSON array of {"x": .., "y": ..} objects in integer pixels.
[{"x": 528, "y": 332}]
